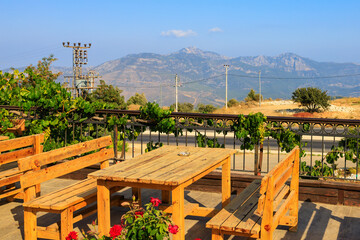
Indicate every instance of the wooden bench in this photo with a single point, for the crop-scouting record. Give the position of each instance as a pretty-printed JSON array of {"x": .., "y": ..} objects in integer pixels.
[
  {"x": 262, "y": 206},
  {"x": 69, "y": 201},
  {"x": 10, "y": 152}
]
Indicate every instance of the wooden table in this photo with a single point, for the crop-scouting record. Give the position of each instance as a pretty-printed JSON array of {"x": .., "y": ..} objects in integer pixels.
[{"x": 164, "y": 169}]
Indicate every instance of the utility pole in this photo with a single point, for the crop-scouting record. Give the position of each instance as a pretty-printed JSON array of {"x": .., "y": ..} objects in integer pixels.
[
  {"x": 226, "y": 86},
  {"x": 176, "y": 93},
  {"x": 260, "y": 88}
]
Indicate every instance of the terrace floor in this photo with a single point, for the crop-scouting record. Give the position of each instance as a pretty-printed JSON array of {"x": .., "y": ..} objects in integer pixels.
[{"x": 316, "y": 221}]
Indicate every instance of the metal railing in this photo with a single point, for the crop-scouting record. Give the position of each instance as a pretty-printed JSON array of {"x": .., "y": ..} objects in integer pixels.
[{"x": 320, "y": 136}]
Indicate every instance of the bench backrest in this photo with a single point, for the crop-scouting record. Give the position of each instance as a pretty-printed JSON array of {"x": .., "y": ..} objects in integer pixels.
[
  {"x": 274, "y": 188},
  {"x": 17, "y": 148},
  {"x": 92, "y": 152}
]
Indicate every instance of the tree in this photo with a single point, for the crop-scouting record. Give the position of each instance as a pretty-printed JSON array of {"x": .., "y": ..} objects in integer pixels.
[
  {"x": 312, "y": 98},
  {"x": 253, "y": 96},
  {"x": 184, "y": 107},
  {"x": 137, "y": 99},
  {"x": 202, "y": 108},
  {"x": 109, "y": 95},
  {"x": 233, "y": 103}
]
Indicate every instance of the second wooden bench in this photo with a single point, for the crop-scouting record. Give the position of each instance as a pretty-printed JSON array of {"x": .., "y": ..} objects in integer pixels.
[{"x": 260, "y": 208}]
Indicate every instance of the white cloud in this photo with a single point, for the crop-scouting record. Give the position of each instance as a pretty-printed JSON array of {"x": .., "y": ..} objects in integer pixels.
[
  {"x": 215, "y": 29},
  {"x": 178, "y": 33}
]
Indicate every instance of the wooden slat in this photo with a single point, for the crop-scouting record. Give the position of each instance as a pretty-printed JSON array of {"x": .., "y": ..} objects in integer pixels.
[
  {"x": 278, "y": 168},
  {"x": 13, "y": 178},
  {"x": 242, "y": 214},
  {"x": 285, "y": 190},
  {"x": 4, "y": 138},
  {"x": 250, "y": 226},
  {"x": 19, "y": 142},
  {"x": 283, "y": 209},
  {"x": 10, "y": 192},
  {"x": 15, "y": 155},
  {"x": 237, "y": 202},
  {"x": 42, "y": 232},
  {"x": 32, "y": 178},
  {"x": 9, "y": 173},
  {"x": 63, "y": 153},
  {"x": 279, "y": 184}
]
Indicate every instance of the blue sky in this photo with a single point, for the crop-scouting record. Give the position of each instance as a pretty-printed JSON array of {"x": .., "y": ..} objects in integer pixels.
[{"x": 320, "y": 30}]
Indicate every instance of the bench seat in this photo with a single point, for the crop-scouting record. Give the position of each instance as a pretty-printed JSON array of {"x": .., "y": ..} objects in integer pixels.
[{"x": 239, "y": 215}]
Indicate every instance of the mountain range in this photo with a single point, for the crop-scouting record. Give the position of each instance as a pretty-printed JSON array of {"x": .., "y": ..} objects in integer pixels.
[{"x": 201, "y": 76}]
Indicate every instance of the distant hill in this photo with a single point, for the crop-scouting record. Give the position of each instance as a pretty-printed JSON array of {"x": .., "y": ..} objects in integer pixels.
[{"x": 280, "y": 75}]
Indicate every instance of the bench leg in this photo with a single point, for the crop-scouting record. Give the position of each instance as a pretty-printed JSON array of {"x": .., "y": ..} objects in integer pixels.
[
  {"x": 30, "y": 224},
  {"x": 66, "y": 222},
  {"x": 216, "y": 235}
]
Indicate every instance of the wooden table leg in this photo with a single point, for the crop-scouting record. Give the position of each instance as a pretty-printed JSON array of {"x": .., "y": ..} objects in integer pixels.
[
  {"x": 103, "y": 202},
  {"x": 226, "y": 182},
  {"x": 178, "y": 216},
  {"x": 66, "y": 222}
]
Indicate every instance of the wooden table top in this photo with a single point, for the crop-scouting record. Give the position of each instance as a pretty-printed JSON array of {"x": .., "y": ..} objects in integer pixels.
[{"x": 164, "y": 166}]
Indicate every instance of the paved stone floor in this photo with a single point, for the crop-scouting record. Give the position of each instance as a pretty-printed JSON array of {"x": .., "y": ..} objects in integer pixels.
[{"x": 316, "y": 221}]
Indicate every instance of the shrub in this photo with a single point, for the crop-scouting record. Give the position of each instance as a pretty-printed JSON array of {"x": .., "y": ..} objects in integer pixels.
[
  {"x": 253, "y": 96},
  {"x": 137, "y": 99},
  {"x": 313, "y": 99},
  {"x": 202, "y": 108},
  {"x": 184, "y": 107},
  {"x": 233, "y": 103}
]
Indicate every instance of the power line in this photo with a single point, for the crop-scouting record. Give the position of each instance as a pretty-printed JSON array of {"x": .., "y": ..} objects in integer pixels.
[{"x": 319, "y": 77}]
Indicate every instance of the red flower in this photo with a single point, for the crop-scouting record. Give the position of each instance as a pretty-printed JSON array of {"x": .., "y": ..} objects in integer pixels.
[
  {"x": 155, "y": 201},
  {"x": 139, "y": 213},
  {"x": 173, "y": 229},
  {"x": 197, "y": 239},
  {"x": 115, "y": 231},
  {"x": 72, "y": 236}
]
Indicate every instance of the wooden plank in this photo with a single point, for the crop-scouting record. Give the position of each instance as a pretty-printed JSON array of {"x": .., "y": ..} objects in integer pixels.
[
  {"x": 4, "y": 138},
  {"x": 285, "y": 190},
  {"x": 10, "y": 192},
  {"x": 283, "y": 209},
  {"x": 66, "y": 222},
  {"x": 42, "y": 232},
  {"x": 59, "y": 195},
  {"x": 278, "y": 168},
  {"x": 279, "y": 183},
  {"x": 267, "y": 218},
  {"x": 242, "y": 214},
  {"x": 178, "y": 216},
  {"x": 238, "y": 201},
  {"x": 32, "y": 178},
  {"x": 63, "y": 153},
  {"x": 30, "y": 224},
  {"x": 19, "y": 142},
  {"x": 226, "y": 182},
  {"x": 189, "y": 208},
  {"x": 251, "y": 225},
  {"x": 7, "y": 175},
  {"x": 103, "y": 202},
  {"x": 15, "y": 155}
]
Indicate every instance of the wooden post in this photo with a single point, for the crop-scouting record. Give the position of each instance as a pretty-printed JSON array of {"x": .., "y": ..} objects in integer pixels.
[
  {"x": 37, "y": 150},
  {"x": 261, "y": 156},
  {"x": 103, "y": 201},
  {"x": 66, "y": 222},
  {"x": 216, "y": 235},
  {"x": 294, "y": 186},
  {"x": 226, "y": 182},
  {"x": 267, "y": 227},
  {"x": 30, "y": 224},
  {"x": 178, "y": 216},
  {"x": 115, "y": 142}
]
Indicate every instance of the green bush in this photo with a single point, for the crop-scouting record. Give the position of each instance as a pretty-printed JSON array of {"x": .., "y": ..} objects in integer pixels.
[
  {"x": 137, "y": 99},
  {"x": 202, "y": 108},
  {"x": 253, "y": 96},
  {"x": 233, "y": 103},
  {"x": 313, "y": 99},
  {"x": 184, "y": 107}
]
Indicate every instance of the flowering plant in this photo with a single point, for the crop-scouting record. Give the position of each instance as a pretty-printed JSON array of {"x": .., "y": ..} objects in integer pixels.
[{"x": 137, "y": 224}]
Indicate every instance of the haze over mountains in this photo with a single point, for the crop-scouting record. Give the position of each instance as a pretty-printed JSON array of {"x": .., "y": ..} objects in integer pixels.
[{"x": 202, "y": 75}]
